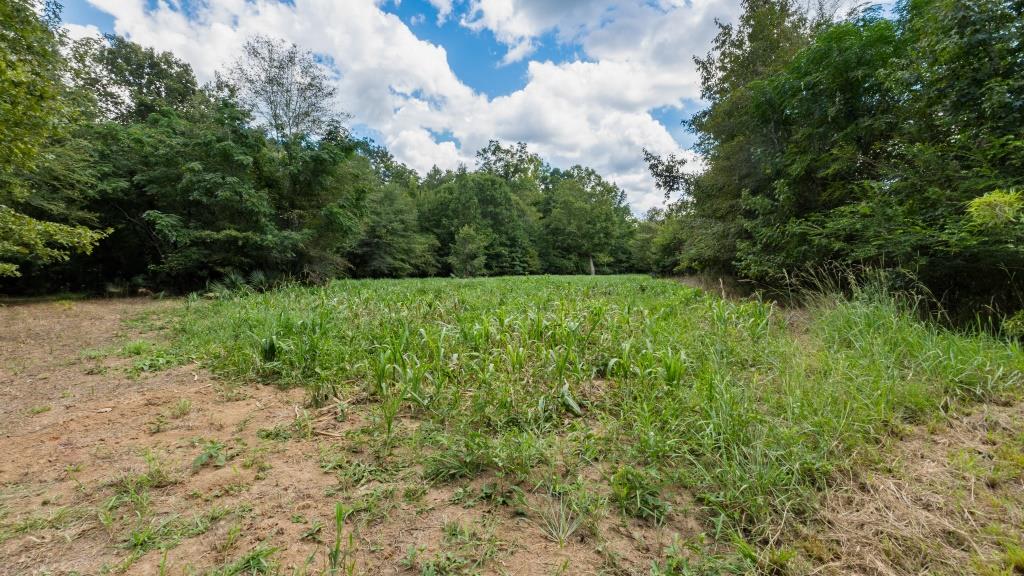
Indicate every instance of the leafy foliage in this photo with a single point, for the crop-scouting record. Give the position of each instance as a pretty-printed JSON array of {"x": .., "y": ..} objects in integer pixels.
[
  {"x": 252, "y": 180},
  {"x": 469, "y": 252},
  {"x": 32, "y": 110},
  {"x": 876, "y": 141},
  {"x": 45, "y": 242}
]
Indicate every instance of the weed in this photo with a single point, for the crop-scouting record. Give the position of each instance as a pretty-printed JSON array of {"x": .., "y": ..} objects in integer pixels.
[
  {"x": 1013, "y": 557},
  {"x": 558, "y": 519},
  {"x": 171, "y": 531},
  {"x": 351, "y": 473},
  {"x": 313, "y": 532},
  {"x": 55, "y": 520},
  {"x": 467, "y": 549},
  {"x": 256, "y": 460},
  {"x": 375, "y": 505},
  {"x": 303, "y": 425},
  {"x": 157, "y": 424},
  {"x": 692, "y": 558},
  {"x": 279, "y": 433},
  {"x": 258, "y": 561},
  {"x": 149, "y": 357},
  {"x": 161, "y": 568},
  {"x": 213, "y": 453},
  {"x": 71, "y": 471},
  {"x": 469, "y": 453},
  {"x": 181, "y": 408},
  {"x": 637, "y": 492},
  {"x": 410, "y": 559},
  {"x": 137, "y": 348},
  {"x": 341, "y": 558},
  {"x": 96, "y": 370},
  {"x": 414, "y": 494},
  {"x": 231, "y": 538}
]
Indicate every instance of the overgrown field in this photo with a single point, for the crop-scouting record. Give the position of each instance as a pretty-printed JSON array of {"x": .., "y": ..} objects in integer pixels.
[{"x": 610, "y": 393}]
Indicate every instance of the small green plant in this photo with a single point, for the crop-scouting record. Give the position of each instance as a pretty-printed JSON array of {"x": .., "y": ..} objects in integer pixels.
[
  {"x": 167, "y": 533},
  {"x": 409, "y": 561},
  {"x": 1013, "y": 557},
  {"x": 303, "y": 425},
  {"x": 313, "y": 532},
  {"x": 414, "y": 494},
  {"x": 279, "y": 433},
  {"x": 157, "y": 425},
  {"x": 181, "y": 408},
  {"x": 56, "y": 519},
  {"x": 466, "y": 550},
  {"x": 257, "y": 562},
  {"x": 36, "y": 410},
  {"x": 256, "y": 460},
  {"x": 161, "y": 568},
  {"x": 136, "y": 348},
  {"x": 558, "y": 519},
  {"x": 213, "y": 453},
  {"x": 96, "y": 370},
  {"x": 1014, "y": 325},
  {"x": 375, "y": 505},
  {"x": 693, "y": 558},
  {"x": 149, "y": 357},
  {"x": 351, "y": 473},
  {"x": 341, "y": 557},
  {"x": 637, "y": 492},
  {"x": 231, "y": 538}
]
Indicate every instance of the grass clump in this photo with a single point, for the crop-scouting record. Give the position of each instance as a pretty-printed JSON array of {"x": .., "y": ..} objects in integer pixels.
[
  {"x": 169, "y": 532},
  {"x": 258, "y": 561},
  {"x": 637, "y": 492},
  {"x": 213, "y": 453},
  {"x": 466, "y": 549},
  {"x": 148, "y": 357},
  {"x": 661, "y": 386}
]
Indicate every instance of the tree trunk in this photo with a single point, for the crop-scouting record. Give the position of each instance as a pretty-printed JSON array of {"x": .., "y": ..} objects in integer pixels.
[{"x": 592, "y": 271}]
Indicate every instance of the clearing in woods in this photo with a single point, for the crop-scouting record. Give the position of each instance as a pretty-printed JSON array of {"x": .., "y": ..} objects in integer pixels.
[{"x": 611, "y": 425}]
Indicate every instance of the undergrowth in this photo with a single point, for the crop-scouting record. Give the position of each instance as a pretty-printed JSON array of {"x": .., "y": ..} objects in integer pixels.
[{"x": 661, "y": 387}]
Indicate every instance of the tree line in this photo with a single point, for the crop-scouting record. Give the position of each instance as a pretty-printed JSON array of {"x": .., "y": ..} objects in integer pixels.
[
  {"x": 890, "y": 140},
  {"x": 877, "y": 139},
  {"x": 119, "y": 171}
]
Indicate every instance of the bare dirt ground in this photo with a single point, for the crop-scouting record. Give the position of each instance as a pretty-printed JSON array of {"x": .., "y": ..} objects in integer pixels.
[{"x": 99, "y": 473}]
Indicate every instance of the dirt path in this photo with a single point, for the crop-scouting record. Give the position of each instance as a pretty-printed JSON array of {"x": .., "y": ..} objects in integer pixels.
[
  {"x": 99, "y": 472},
  {"x": 77, "y": 425}
]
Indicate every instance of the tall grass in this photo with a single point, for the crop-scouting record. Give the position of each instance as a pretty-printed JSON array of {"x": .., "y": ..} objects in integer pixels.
[{"x": 727, "y": 399}]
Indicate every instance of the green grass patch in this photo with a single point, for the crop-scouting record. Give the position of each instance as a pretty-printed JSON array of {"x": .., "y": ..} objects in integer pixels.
[
  {"x": 148, "y": 357},
  {"x": 660, "y": 386}
]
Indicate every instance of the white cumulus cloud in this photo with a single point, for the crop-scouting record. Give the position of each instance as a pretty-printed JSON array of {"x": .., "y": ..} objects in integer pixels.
[{"x": 596, "y": 111}]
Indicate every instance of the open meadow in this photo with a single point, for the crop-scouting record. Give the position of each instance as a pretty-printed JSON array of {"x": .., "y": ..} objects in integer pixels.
[
  {"x": 536, "y": 425},
  {"x": 511, "y": 287}
]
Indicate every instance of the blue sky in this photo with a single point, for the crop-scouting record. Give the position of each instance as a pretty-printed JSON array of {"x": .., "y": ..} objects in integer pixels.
[
  {"x": 591, "y": 82},
  {"x": 475, "y": 56}
]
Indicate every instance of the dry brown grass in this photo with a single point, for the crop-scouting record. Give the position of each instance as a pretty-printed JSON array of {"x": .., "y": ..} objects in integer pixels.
[{"x": 943, "y": 501}]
